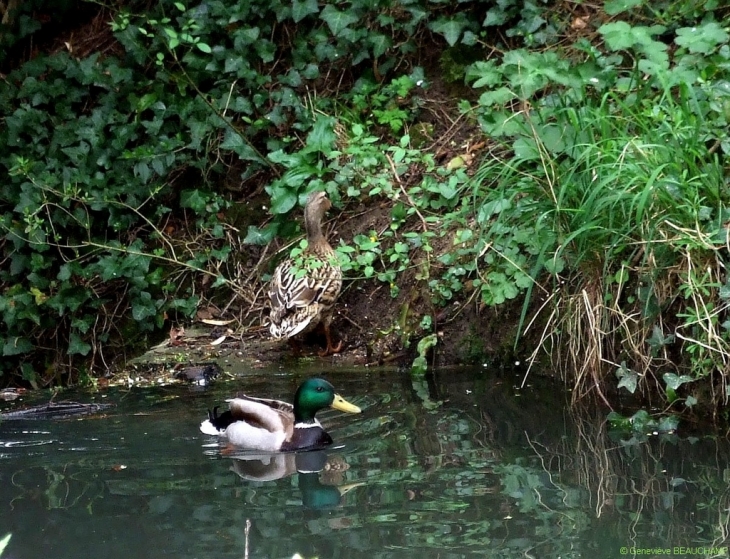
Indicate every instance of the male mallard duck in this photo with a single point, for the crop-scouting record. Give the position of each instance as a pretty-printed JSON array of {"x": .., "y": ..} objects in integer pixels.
[
  {"x": 273, "y": 426},
  {"x": 303, "y": 295}
]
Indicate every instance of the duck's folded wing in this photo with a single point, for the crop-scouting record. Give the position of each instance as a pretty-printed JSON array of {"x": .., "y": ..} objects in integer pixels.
[
  {"x": 293, "y": 288},
  {"x": 272, "y": 415}
]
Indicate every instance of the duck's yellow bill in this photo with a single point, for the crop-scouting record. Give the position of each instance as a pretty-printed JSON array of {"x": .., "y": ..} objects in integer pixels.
[{"x": 341, "y": 404}]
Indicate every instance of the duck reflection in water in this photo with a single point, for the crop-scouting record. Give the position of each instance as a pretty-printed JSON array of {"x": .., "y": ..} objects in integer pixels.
[{"x": 319, "y": 480}]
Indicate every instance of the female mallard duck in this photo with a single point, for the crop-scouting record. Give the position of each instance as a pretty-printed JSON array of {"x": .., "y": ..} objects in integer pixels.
[
  {"x": 302, "y": 295},
  {"x": 273, "y": 426}
]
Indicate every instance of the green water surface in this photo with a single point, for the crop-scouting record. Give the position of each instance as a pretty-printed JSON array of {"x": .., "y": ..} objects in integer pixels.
[{"x": 456, "y": 464}]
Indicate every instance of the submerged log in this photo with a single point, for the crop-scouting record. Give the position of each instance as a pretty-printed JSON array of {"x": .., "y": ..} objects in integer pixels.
[{"x": 59, "y": 410}]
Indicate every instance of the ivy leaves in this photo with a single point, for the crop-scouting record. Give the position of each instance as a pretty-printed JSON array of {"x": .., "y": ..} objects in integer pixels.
[
  {"x": 338, "y": 21},
  {"x": 300, "y": 10}
]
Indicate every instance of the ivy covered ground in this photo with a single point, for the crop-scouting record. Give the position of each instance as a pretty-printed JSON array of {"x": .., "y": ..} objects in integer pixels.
[{"x": 512, "y": 179}]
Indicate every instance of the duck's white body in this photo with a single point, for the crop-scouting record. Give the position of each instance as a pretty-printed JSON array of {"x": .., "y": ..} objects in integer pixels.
[{"x": 262, "y": 424}]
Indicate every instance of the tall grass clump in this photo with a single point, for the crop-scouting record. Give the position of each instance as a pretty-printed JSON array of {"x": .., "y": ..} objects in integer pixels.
[{"x": 613, "y": 197}]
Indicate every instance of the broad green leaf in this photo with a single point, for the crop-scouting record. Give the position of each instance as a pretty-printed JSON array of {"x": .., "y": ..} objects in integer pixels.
[
  {"x": 266, "y": 50},
  {"x": 142, "y": 170},
  {"x": 297, "y": 176},
  {"x": 288, "y": 160},
  {"x": 674, "y": 381},
  {"x": 526, "y": 148},
  {"x": 300, "y": 10},
  {"x": 628, "y": 379},
  {"x": 193, "y": 199},
  {"x": 292, "y": 78},
  {"x": 247, "y": 36},
  {"x": 380, "y": 43},
  {"x": 493, "y": 207},
  {"x": 617, "y": 35},
  {"x": 143, "y": 307},
  {"x": 552, "y": 138},
  {"x": 310, "y": 71},
  {"x": 701, "y": 39},
  {"x": 336, "y": 20},
  {"x": 450, "y": 28},
  {"x": 499, "y": 96},
  {"x": 17, "y": 346},
  {"x": 657, "y": 340},
  {"x": 76, "y": 346},
  {"x": 258, "y": 236},
  {"x": 668, "y": 424},
  {"x": 146, "y": 101},
  {"x": 614, "y": 7},
  {"x": 484, "y": 74},
  {"x": 469, "y": 38},
  {"x": 496, "y": 15},
  {"x": 554, "y": 265},
  {"x": 84, "y": 323},
  {"x": 322, "y": 136},
  {"x": 447, "y": 190},
  {"x": 283, "y": 198},
  {"x": 235, "y": 142},
  {"x": 654, "y": 68}
]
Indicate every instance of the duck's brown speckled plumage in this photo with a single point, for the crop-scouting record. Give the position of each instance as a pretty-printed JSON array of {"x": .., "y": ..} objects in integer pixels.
[{"x": 303, "y": 296}]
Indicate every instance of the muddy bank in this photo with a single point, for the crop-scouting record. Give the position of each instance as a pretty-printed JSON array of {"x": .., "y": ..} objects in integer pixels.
[{"x": 375, "y": 329}]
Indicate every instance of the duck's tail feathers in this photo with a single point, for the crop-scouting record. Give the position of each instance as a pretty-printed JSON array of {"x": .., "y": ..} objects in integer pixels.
[
  {"x": 207, "y": 428},
  {"x": 216, "y": 424}
]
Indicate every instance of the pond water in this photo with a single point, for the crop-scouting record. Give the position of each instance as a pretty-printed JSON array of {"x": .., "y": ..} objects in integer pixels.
[{"x": 456, "y": 464}]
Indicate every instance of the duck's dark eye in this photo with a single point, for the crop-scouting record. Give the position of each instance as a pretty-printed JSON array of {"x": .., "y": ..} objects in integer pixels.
[{"x": 320, "y": 389}]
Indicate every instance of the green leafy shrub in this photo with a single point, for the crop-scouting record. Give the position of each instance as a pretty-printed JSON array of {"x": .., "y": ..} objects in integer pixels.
[
  {"x": 81, "y": 210},
  {"x": 614, "y": 186},
  {"x": 114, "y": 159}
]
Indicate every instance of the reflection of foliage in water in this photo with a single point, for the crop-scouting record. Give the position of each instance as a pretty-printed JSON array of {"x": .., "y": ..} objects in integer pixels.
[
  {"x": 64, "y": 487},
  {"x": 434, "y": 484},
  {"x": 450, "y": 468},
  {"x": 647, "y": 489}
]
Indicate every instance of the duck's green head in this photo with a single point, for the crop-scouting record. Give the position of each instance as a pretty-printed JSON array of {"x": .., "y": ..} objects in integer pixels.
[{"x": 315, "y": 394}]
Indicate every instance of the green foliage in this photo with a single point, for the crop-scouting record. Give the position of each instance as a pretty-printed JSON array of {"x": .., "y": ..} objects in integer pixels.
[
  {"x": 108, "y": 154},
  {"x": 89, "y": 154},
  {"x": 607, "y": 168},
  {"x": 420, "y": 364},
  {"x": 613, "y": 184},
  {"x": 591, "y": 188},
  {"x": 641, "y": 425}
]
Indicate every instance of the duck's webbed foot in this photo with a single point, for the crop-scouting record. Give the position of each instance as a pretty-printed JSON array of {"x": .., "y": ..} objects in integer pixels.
[{"x": 331, "y": 348}]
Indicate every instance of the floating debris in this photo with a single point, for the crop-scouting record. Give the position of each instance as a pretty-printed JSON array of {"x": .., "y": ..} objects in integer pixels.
[
  {"x": 9, "y": 394},
  {"x": 59, "y": 410}
]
